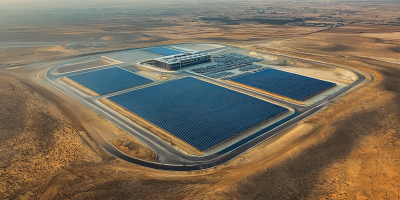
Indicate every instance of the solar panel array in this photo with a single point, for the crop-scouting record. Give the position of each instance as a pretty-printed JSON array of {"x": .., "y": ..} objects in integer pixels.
[
  {"x": 199, "y": 113},
  {"x": 109, "y": 80},
  {"x": 163, "y": 51},
  {"x": 287, "y": 84}
]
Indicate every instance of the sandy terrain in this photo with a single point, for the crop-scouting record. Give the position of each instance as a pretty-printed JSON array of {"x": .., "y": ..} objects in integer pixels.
[
  {"x": 83, "y": 65},
  {"x": 365, "y": 30},
  {"x": 348, "y": 151},
  {"x": 20, "y": 56},
  {"x": 144, "y": 68},
  {"x": 42, "y": 74},
  {"x": 192, "y": 30},
  {"x": 334, "y": 75},
  {"x": 355, "y": 152},
  {"x": 152, "y": 75},
  {"x": 134, "y": 148},
  {"x": 36, "y": 139},
  {"x": 214, "y": 184}
]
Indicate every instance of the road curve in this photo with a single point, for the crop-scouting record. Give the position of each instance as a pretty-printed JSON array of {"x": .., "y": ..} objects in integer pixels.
[{"x": 171, "y": 159}]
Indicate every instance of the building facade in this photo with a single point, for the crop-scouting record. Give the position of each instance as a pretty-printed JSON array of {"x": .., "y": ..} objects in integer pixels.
[{"x": 180, "y": 61}]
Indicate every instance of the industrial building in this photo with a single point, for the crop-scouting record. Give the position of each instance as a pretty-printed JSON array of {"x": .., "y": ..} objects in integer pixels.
[{"x": 176, "y": 62}]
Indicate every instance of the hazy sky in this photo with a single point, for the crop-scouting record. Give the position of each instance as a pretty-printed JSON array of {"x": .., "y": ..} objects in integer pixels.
[{"x": 46, "y": 4}]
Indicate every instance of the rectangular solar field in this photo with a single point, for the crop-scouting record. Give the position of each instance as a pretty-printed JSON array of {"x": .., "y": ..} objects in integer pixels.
[
  {"x": 109, "y": 80},
  {"x": 163, "y": 51},
  {"x": 287, "y": 84},
  {"x": 199, "y": 113}
]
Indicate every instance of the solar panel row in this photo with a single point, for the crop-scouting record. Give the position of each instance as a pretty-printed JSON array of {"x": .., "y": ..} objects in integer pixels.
[
  {"x": 163, "y": 51},
  {"x": 109, "y": 80},
  {"x": 287, "y": 84},
  {"x": 199, "y": 113}
]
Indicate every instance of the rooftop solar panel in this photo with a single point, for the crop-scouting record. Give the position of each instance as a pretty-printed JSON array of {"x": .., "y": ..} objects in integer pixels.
[
  {"x": 109, "y": 80},
  {"x": 163, "y": 51},
  {"x": 199, "y": 113},
  {"x": 287, "y": 84}
]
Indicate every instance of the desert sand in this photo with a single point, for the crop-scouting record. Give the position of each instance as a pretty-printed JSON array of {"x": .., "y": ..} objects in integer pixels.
[
  {"x": 349, "y": 150},
  {"x": 36, "y": 139},
  {"x": 351, "y": 153}
]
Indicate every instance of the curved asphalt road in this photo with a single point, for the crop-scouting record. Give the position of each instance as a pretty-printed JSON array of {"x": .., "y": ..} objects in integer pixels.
[{"x": 169, "y": 158}]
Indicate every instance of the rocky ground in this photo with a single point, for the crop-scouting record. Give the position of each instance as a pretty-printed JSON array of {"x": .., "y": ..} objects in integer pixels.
[
  {"x": 354, "y": 153},
  {"x": 36, "y": 140},
  {"x": 349, "y": 150}
]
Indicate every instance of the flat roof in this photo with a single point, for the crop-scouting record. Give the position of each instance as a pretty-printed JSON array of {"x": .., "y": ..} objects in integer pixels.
[{"x": 181, "y": 57}]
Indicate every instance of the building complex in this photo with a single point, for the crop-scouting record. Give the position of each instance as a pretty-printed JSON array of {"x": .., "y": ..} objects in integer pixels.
[{"x": 176, "y": 62}]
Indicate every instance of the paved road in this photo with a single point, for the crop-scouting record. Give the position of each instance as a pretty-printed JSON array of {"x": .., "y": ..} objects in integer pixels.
[{"x": 169, "y": 158}]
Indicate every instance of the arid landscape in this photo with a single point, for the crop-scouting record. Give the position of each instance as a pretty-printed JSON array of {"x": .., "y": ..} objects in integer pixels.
[{"x": 349, "y": 150}]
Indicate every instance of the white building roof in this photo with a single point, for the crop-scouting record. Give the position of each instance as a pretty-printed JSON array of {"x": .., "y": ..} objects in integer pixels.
[{"x": 181, "y": 57}]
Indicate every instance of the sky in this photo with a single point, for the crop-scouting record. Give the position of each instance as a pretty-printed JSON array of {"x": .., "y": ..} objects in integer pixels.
[{"x": 46, "y": 4}]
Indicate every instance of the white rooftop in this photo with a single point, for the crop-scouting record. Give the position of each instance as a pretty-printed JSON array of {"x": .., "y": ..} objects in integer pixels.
[{"x": 181, "y": 57}]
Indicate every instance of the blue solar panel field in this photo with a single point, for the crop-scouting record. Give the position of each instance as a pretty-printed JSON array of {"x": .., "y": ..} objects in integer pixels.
[
  {"x": 290, "y": 85},
  {"x": 199, "y": 113},
  {"x": 109, "y": 80},
  {"x": 163, "y": 51}
]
